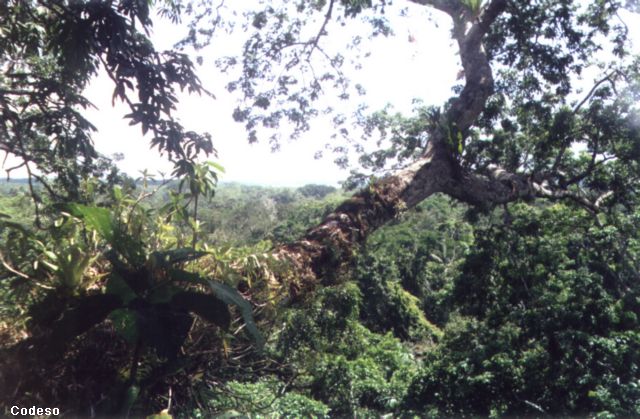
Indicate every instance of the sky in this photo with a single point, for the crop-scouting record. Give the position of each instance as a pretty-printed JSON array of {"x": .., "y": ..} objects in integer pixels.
[
  {"x": 419, "y": 62},
  {"x": 397, "y": 71}
]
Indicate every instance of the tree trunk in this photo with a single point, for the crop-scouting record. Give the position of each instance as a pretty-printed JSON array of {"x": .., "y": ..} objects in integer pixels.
[
  {"x": 326, "y": 247},
  {"x": 319, "y": 255}
]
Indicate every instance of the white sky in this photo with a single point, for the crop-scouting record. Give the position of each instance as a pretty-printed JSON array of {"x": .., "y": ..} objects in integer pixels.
[{"x": 397, "y": 71}]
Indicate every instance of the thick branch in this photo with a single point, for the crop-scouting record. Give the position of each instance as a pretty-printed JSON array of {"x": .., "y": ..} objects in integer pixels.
[
  {"x": 478, "y": 76},
  {"x": 325, "y": 248},
  {"x": 499, "y": 187}
]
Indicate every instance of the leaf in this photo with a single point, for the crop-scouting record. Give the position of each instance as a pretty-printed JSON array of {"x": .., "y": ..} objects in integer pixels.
[
  {"x": 216, "y": 166},
  {"x": 231, "y": 296},
  {"x": 125, "y": 322},
  {"x": 83, "y": 315},
  {"x": 163, "y": 327},
  {"x": 96, "y": 218},
  {"x": 206, "y": 306},
  {"x": 130, "y": 397},
  {"x": 228, "y": 295},
  {"x": 118, "y": 286},
  {"x": 117, "y": 192},
  {"x": 171, "y": 257}
]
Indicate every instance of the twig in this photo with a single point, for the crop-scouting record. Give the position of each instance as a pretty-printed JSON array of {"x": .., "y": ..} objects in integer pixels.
[
  {"x": 593, "y": 89},
  {"x": 321, "y": 32},
  {"x": 22, "y": 275}
]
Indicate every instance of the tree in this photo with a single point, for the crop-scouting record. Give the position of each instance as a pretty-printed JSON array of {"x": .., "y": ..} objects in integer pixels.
[
  {"x": 497, "y": 141},
  {"x": 514, "y": 132},
  {"x": 517, "y": 129},
  {"x": 49, "y": 52},
  {"x": 546, "y": 322}
]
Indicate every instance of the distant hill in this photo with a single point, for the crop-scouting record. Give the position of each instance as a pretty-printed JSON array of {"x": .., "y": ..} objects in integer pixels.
[{"x": 14, "y": 181}]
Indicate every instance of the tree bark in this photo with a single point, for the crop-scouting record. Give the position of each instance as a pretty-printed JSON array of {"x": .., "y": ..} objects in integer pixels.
[{"x": 319, "y": 255}]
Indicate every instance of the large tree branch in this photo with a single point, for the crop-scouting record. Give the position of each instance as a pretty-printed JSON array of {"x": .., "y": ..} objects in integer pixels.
[
  {"x": 499, "y": 187},
  {"x": 478, "y": 76},
  {"x": 320, "y": 254},
  {"x": 325, "y": 248},
  {"x": 502, "y": 187}
]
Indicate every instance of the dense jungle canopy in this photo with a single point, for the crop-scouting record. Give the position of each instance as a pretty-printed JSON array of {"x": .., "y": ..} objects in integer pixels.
[{"x": 486, "y": 265}]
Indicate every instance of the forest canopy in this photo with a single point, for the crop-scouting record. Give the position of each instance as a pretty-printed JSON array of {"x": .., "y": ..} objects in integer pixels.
[{"x": 487, "y": 263}]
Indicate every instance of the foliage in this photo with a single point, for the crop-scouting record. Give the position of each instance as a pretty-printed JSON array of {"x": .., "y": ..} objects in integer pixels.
[
  {"x": 147, "y": 295},
  {"x": 545, "y": 326},
  {"x": 50, "y": 50},
  {"x": 532, "y": 313},
  {"x": 428, "y": 246},
  {"x": 507, "y": 309},
  {"x": 349, "y": 368},
  {"x": 388, "y": 306},
  {"x": 539, "y": 51},
  {"x": 245, "y": 214},
  {"x": 262, "y": 400}
]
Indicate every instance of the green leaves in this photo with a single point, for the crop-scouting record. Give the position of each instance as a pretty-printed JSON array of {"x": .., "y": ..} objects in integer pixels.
[
  {"x": 158, "y": 314},
  {"x": 168, "y": 258},
  {"x": 231, "y": 296},
  {"x": 83, "y": 314},
  {"x": 96, "y": 218},
  {"x": 126, "y": 325},
  {"x": 208, "y": 307},
  {"x": 60, "y": 48}
]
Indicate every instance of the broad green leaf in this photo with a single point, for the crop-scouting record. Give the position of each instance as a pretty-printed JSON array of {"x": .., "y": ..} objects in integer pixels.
[
  {"x": 83, "y": 315},
  {"x": 163, "y": 328},
  {"x": 228, "y": 295},
  {"x": 231, "y": 296},
  {"x": 130, "y": 398},
  {"x": 97, "y": 218},
  {"x": 118, "y": 286},
  {"x": 170, "y": 257},
  {"x": 216, "y": 166},
  {"x": 117, "y": 192},
  {"x": 207, "y": 306}
]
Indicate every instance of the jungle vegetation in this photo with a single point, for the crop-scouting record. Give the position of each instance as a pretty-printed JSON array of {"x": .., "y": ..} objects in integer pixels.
[{"x": 486, "y": 265}]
